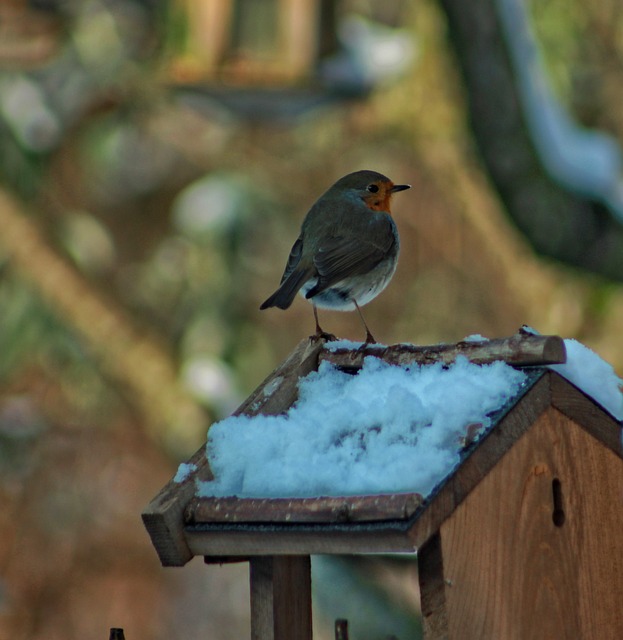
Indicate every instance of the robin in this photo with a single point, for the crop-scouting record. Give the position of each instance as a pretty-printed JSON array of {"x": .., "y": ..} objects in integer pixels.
[{"x": 347, "y": 250}]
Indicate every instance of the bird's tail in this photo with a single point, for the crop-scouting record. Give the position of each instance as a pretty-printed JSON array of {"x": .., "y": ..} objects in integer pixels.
[{"x": 288, "y": 289}]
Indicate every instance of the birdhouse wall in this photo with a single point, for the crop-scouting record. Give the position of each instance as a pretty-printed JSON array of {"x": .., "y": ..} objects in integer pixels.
[{"x": 535, "y": 550}]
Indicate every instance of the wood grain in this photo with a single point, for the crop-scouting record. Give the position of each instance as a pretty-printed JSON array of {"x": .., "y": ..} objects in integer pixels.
[{"x": 510, "y": 568}]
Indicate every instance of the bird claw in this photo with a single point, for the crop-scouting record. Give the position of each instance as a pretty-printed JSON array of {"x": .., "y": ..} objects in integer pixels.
[{"x": 323, "y": 335}]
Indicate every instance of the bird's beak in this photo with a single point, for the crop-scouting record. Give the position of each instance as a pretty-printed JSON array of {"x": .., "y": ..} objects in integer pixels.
[{"x": 400, "y": 187}]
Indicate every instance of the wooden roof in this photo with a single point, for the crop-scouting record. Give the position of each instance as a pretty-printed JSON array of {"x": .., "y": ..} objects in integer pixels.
[{"x": 182, "y": 525}]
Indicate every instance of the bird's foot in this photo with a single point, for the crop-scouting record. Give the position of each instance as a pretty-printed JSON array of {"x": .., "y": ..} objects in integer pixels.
[{"x": 323, "y": 335}]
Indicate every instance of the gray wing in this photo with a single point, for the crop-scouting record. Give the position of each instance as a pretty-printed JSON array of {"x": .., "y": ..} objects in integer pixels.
[
  {"x": 340, "y": 257},
  {"x": 293, "y": 259},
  {"x": 292, "y": 280}
]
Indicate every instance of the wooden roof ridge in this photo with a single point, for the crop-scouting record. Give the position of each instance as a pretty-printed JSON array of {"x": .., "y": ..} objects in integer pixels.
[
  {"x": 278, "y": 391},
  {"x": 521, "y": 350}
]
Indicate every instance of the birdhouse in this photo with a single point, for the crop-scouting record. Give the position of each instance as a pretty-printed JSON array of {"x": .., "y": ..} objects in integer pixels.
[{"x": 521, "y": 538}]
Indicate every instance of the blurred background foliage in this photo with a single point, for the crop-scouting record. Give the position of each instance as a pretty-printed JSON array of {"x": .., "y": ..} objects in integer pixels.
[{"x": 156, "y": 160}]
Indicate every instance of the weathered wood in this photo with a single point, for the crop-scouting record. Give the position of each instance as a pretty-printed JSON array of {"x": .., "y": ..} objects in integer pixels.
[
  {"x": 273, "y": 539},
  {"x": 281, "y": 598},
  {"x": 279, "y": 390},
  {"x": 327, "y": 509},
  {"x": 518, "y": 350},
  {"x": 513, "y": 568},
  {"x": 164, "y": 516}
]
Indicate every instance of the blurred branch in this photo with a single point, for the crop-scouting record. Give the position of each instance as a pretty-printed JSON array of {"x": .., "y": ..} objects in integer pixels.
[
  {"x": 540, "y": 162},
  {"x": 133, "y": 360}
]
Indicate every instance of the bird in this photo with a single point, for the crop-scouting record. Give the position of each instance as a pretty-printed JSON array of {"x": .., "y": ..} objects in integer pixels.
[{"x": 347, "y": 250}]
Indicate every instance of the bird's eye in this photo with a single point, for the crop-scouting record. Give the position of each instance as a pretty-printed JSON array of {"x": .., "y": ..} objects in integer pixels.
[{"x": 373, "y": 188}]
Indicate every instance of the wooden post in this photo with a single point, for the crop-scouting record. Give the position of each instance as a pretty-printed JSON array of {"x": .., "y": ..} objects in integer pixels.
[{"x": 281, "y": 598}]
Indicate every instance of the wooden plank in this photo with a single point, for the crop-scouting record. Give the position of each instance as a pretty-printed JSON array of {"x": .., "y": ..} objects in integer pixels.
[
  {"x": 327, "y": 509},
  {"x": 163, "y": 516},
  {"x": 513, "y": 567},
  {"x": 586, "y": 412},
  {"x": 249, "y": 540},
  {"x": 281, "y": 598},
  {"x": 481, "y": 461},
  {"x": 518, "y": 350}
]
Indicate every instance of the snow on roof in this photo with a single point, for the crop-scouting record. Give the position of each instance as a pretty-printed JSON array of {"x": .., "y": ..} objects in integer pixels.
[
  {"x": 587, "y": 371},
  {"x": 386, "y": 429}
]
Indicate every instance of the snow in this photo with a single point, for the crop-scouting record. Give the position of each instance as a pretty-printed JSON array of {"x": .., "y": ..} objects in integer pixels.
[
  {"x": 386, "y": 429},
  {"x": 184, "y": 471},
  {"x": 594, "y": 376},
  {"x": 475, "y": 337},
  {"x": 336, "y": 345}
]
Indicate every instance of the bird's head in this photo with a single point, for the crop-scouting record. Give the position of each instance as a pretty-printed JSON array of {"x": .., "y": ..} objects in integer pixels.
[{"x": 373, "y": 188}]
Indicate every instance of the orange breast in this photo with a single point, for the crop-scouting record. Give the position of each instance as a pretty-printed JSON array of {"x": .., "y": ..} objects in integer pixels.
[{"x": 379, "y": 201}]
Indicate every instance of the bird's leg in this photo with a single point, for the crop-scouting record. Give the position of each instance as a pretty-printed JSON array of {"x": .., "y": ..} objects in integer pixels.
[
  {"x": 318, "y": 327},
  {"x": 319, "y": 332},
  {"x": 369, "y": 337}
]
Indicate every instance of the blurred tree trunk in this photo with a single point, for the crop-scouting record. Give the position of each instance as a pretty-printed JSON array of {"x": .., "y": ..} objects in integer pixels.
[
  {"x": 133, "y": 359},
  {"x": 558, "y": 223}
]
